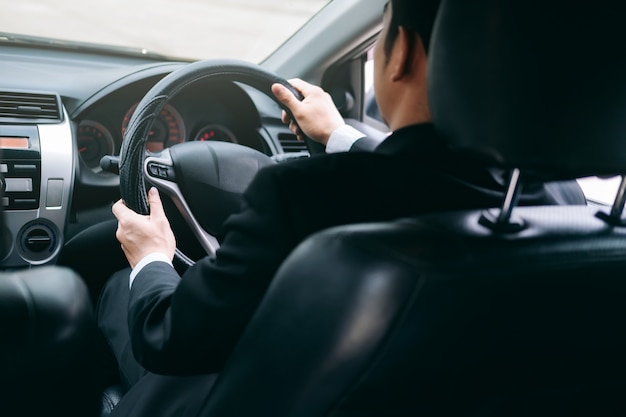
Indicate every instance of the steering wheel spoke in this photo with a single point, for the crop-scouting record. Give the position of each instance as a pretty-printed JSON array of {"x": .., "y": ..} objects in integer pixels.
[{"x": 159, "y": 172}]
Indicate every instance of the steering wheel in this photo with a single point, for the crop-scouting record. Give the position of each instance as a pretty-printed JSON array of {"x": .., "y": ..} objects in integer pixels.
[{"x": 205, "y": 180}]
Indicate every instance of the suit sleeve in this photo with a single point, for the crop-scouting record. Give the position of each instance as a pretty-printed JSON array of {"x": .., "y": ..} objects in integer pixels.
[
  {"x": 342, "y": 139},
  {"x": 365, "y": 144},
  {"x": 189, "y": 325},
  {"x": 348, "y": 139}
]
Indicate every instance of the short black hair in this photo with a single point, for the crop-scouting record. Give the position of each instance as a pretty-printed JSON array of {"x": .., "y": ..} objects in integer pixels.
[{"x": 417, "y": 16}]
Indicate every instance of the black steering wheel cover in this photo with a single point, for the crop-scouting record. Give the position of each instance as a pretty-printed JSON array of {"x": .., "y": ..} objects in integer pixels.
[{"x": 132, "y": 154}]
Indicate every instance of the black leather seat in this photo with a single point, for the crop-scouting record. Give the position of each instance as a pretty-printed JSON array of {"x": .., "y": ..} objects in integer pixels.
[
  {"x": 520, "y": 311},
  {"x": 46, "y": 344},
  {"x": 437, "y": 316}
]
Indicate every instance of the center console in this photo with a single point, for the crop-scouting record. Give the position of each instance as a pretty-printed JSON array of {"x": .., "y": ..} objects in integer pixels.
[{"x": 37, "y": 174}]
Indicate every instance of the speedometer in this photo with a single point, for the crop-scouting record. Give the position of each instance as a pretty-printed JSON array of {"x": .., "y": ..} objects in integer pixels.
[
  {"x": 94, "y": 141},
  {"x": 167, "y": 130}
]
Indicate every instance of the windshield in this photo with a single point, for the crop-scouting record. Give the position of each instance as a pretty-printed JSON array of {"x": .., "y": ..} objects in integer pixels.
[{"x": 193, "y": 29}]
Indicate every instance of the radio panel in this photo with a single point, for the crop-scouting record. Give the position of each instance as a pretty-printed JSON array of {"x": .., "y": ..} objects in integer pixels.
[
  {"x": 21, "y": 183},
  {"x": 20, "y": 167},
  {"x": 36, "y": 179}
]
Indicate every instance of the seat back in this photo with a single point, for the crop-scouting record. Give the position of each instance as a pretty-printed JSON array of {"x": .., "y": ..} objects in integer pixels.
[
  {"x": 47, "y": 344},
  {"x": 435, "y": 315}
]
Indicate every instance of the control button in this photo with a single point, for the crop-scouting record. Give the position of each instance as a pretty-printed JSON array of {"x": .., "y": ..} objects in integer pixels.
[
  {"x": 161, "y": 171},
  {"x": 24, "y": 204},
  {"x": 4, "y": 168},
  {"x": 18, "y": 185},
  {"x": 25, "y": 167},
  {"x": 54, "y": 195},
  {"x": 154, "y": 170}
]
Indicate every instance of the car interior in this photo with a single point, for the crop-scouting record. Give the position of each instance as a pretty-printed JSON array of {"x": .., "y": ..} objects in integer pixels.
[{"x": 507, "y": 311}]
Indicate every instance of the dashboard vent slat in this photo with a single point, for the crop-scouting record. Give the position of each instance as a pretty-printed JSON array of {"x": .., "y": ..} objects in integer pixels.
[
  {"x": 290, "y": 143},
  {"x": 21, "y": 107}
]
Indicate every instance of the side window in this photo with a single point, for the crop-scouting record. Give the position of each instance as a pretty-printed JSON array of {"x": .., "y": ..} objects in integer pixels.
[
  {"x": 370, "y": 111},
  {"x": 351, "y": 85}
]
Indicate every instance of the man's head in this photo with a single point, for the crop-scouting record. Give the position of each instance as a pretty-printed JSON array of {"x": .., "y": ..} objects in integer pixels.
[
  {"x": 400, "y": 61},
  {"x": 417, "y": 16}
]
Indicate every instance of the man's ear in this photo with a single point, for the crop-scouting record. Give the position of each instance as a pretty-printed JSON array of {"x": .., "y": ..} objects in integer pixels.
[{"x": 406, "y": 53}]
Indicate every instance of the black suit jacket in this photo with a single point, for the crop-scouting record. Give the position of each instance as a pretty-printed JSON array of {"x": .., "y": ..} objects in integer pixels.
[
  {"x": 365, "y": 144},
  {"x": 189, "y": 325}
]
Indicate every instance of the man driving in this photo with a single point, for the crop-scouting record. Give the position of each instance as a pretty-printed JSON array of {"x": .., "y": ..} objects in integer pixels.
[{"x": 155, "y": 320}]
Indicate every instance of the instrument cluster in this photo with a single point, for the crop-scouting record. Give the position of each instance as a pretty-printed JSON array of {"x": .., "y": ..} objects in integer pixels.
[{"x": 217, "y": 112}]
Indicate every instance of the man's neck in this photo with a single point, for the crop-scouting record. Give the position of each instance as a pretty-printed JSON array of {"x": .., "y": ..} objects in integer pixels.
[{"x": 409, "y": 111}]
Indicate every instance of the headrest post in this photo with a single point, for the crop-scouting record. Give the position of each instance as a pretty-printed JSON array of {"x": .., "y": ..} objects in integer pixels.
[
  {"x": 502, "y": 221},
  {"x": 620, "y": 199},
  {"x": 614, "y": 218},
  {"x": 512, "y": 196}
]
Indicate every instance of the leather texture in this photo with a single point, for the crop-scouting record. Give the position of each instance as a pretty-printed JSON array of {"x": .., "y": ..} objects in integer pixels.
[
  {"x": 437, "y": 315},
  {"x": 38, "y": 309},
  {"x": 110, "y": 397},
  {"x": 48, "y": 336}
]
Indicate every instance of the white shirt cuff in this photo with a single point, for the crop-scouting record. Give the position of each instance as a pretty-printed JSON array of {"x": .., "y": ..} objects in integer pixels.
[
  {"x": 152, "y": 257},
  {"x": 342, "y": 139}
]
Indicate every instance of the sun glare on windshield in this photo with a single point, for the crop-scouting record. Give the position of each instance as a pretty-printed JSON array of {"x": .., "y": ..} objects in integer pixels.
[{"x": 195, "y": 29}]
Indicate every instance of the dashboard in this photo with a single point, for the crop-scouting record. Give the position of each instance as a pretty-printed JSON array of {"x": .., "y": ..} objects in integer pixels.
[{"x": 56, "y": 197}]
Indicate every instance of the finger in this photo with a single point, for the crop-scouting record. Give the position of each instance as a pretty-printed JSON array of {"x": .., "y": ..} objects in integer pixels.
[
  {"x": 119, "y": 209},
  {"x": 293, "y": 127},
  {"x": 285, "y": 96},
  {"x": 285, "y": 118},
  {"x": 303, "y": 87},
  {"x": 156, "y": 206},
  {"x": 119, "y": 235}
]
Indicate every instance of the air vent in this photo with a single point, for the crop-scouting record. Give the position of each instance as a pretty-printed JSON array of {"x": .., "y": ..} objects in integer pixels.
[
  {"x": 290, "y": 143},
  {"x": 20, "y": 107}
]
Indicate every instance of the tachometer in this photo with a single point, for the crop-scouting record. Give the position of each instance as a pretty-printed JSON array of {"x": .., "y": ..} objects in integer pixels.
[
  {"x": 94, "y": 141},
  {"x": 168, "y": 129},
  {"x": 215, "y": 132}
]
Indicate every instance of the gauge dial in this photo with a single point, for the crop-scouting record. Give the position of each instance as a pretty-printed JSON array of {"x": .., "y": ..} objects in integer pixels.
[
  {"x": 94, "y": 141},
  {"x": 216, "y": 132},
  {"x": 167, "y": 130}
]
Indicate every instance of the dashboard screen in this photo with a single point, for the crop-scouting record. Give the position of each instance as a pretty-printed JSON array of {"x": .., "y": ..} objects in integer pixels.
[{"x": 13, "y": 142}]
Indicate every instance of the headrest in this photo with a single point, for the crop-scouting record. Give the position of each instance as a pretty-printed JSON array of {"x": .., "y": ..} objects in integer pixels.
[{"x": 538, "y": 85}]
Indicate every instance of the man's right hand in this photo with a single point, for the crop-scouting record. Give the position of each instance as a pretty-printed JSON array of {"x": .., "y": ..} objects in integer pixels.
[
  {"x": 315, "y": 116},
  {"x": 142, "y": 235}
]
